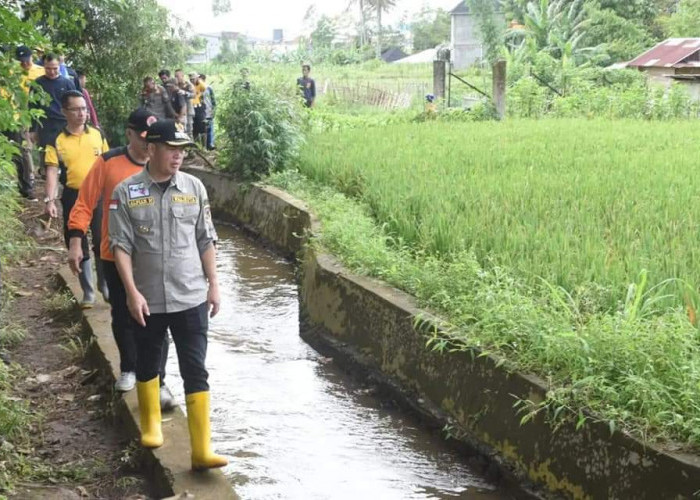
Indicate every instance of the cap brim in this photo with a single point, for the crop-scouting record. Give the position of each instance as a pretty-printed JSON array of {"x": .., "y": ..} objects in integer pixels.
[{"x": 181, "y": 142}]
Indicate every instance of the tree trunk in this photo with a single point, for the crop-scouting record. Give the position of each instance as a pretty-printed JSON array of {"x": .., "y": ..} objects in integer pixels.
[
  {"x": 363, "y": 29},
  {"x": 379, "y": 33}
]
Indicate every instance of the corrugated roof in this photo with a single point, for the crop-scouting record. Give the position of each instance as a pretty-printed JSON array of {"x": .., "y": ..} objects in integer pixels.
[{"x": 668, "y": 53}]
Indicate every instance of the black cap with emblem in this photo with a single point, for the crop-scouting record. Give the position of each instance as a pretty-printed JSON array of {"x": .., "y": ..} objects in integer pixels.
[{"x": 168, "y": 132}]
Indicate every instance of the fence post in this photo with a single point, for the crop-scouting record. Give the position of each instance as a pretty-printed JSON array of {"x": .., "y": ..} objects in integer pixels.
[
  {"x": 499, "y": 89},
  {"x": 439, "y": 74}
]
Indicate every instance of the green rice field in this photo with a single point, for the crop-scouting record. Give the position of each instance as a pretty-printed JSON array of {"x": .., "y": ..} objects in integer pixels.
[
  {"x": 573, "y": 202},
  {"x": 567, "y": 247}
]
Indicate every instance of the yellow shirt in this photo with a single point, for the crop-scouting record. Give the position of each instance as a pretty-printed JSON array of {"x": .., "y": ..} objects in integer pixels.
[
  {"x": 198, "y": 93},
  {"x": 30, "y": 75},
  {"x": 76, "y": 153}
]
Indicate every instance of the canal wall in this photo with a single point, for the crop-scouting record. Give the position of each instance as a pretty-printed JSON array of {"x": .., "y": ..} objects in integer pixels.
[
  {"x": 167, "y": 468},
  {"x": 364, "y": 322}
]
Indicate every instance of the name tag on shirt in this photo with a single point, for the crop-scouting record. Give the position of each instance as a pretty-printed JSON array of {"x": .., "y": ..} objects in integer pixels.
[
  {"x": 142, "y": 202},
  {"x": 188, "y": 199}
]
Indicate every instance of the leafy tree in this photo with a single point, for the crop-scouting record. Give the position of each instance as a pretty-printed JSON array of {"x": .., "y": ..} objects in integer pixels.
[
  {"x": 429, "y": 28},
  {"x": 491, "y": 29},
  {"x": 220, "y": 6},
  {"x": 242, "y": 48},
  {"x": 380, "y": 6},
  {"x": 362, "y": 7},
  {"x": 197, "y": 43},
  {"x": 617, "y": 38},
  {"x": 117, "y": 42},
  {"x": 226, "y": 55},
  {"x": 324, "y": 33},
  {"x": 685, "y": 22},
  {"x": 557, "y": 27},
  {"x": 14, "y": 116}
]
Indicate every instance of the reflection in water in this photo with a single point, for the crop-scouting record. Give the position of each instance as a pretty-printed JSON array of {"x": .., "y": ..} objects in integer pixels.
[{"x": 294, "y": 425}]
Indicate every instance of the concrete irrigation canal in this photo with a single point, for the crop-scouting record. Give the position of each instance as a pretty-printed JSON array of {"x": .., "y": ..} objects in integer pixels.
[
  {"x": 322, "y": 388},
  {"x": 295, "y": 424}
]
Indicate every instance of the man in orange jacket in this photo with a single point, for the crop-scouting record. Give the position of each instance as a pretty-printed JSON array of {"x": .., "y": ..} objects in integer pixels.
[{"x": 106, "y": 173}]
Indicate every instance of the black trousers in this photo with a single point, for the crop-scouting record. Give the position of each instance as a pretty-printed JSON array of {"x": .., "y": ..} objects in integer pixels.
[
  {"x": 189, "y": 331},
  {"x": 122, "y": 327},
  {"x": 68, "y": 199},
  {"x": 23, "y": 164},
  {"x": 199, "y": 128}
]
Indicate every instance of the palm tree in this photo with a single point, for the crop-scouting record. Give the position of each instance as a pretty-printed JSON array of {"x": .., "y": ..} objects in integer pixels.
[
  {"x": 363, "y": 23},
  {"x": 380, "y": 6}
]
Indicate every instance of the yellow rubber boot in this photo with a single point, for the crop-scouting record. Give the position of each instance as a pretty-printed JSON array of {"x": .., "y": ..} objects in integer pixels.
[
  {"x": 149, "y": 412},
  {"x": 200, "y": 432}
]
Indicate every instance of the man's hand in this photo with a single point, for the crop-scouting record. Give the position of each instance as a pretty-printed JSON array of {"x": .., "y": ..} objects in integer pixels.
[
  {"x": 75, "y": 255},
  {"x": 213, "y": 299},
  {"x": 50, "y": 209},
  {"x": 138, "y": 307}
]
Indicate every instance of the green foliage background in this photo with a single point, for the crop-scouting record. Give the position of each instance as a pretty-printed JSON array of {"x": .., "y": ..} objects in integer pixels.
[{"x": 116, "y": 42}]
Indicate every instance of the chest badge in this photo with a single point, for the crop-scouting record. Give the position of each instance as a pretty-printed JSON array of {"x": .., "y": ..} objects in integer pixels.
[
  {"x": 143, "y": 229},
  {"x": 138, "y": 190}
]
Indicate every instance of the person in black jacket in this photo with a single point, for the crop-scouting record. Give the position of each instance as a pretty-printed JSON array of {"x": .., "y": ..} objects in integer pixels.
[{"x": 47, "y": 129}]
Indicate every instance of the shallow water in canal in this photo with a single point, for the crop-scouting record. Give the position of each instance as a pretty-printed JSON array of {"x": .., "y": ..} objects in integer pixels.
[{"x": 295, "y": 426}]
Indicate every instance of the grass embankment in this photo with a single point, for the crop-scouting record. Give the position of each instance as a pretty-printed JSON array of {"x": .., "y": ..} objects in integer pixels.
[
  {"x": 15, "y": 417},
  {"x": 533, "y": 238}
]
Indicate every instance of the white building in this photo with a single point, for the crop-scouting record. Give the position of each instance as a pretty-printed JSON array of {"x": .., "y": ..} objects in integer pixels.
[
  {"x": 214, "y": 44},
  {"x": 467, "y": 47}
]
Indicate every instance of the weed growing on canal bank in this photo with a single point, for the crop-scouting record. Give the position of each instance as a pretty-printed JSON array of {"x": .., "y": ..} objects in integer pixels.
[
  {"x": 637, "y": 371},
  {"x": 61, "y": 306}
]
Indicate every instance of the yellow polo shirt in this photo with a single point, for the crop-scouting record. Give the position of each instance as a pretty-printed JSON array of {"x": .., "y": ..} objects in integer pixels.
[
  {"x": 76, "y": 153},
  {"x": 199, "y": 90},
  {"x": 32, "y": 74}
]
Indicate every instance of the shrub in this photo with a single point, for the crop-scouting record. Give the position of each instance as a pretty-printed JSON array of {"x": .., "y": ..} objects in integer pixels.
[{"x": 262, "y": 129}]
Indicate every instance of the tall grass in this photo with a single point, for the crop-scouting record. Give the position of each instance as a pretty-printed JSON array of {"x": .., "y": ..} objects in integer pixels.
[
  {"x": 579, "y": 203},
  {"x": 569, "y": 247},
  {"x": 634, "y": 370}
]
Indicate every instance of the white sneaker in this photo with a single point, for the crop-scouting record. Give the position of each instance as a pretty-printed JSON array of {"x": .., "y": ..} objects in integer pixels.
[
  {"x": 125, "y": 382},
  {"x": 167, "y": 402}
]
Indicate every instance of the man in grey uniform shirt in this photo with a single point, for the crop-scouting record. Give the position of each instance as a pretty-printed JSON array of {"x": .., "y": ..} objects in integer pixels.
[{"x": 162, "y": 237}]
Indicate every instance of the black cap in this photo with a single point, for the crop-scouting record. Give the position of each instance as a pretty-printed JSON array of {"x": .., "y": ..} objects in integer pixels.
[
  {"x": 168, "y": 132},
  {"x": 141, "y": 120},
  {"x": 23, "y": 53}
]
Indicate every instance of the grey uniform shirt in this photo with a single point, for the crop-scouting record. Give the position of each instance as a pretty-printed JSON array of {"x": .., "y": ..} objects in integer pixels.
[{"x": 165, "y": 232}]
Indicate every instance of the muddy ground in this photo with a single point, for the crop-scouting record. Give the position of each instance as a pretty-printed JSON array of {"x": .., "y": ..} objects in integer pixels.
[{"x": 77, "y": 450}]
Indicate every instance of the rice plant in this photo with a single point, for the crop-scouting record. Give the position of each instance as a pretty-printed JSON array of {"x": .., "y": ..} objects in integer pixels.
[{"x": 567, "y": 247}]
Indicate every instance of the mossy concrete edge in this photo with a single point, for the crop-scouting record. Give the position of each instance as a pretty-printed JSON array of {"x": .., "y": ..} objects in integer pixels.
[{"x": 168, "y": 467}]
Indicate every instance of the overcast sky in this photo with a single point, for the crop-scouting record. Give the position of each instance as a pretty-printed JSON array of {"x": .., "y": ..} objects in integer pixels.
[{"x": 259, "y": 17}]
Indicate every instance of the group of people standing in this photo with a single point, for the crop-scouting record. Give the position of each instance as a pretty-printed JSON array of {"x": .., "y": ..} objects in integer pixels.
[
  {"x": 190, "y": 102},
  {"x": 153, "y": 239}
]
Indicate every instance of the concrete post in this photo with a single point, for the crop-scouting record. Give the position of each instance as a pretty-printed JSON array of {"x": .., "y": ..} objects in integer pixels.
[
  {"x": 439, "y": 78},
  {"x": 499, "y": 89}
]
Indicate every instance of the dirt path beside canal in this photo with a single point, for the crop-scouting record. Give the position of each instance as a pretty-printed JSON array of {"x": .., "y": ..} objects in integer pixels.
[{"x": 75, "y": 449}]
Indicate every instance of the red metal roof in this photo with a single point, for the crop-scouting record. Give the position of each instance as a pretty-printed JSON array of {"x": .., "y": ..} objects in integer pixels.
[{"x": 667, "y": 53}]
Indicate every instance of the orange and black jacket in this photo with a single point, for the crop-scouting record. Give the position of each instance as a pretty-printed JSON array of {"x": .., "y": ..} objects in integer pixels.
[{"x": 108, "y": 171}]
